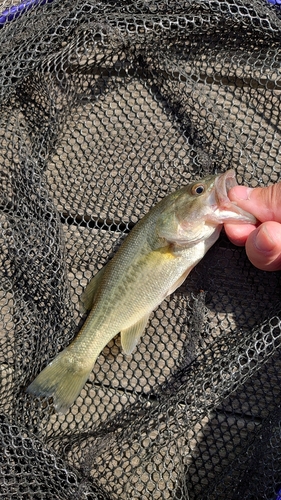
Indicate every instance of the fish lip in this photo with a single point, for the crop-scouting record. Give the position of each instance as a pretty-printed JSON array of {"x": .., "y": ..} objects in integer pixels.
[
  {"x": 225, "y": 210},
  {"x": 223, "y": 184}
]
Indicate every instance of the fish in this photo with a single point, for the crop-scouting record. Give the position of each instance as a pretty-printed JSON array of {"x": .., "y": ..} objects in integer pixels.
[{"x": 152, "y": 262}]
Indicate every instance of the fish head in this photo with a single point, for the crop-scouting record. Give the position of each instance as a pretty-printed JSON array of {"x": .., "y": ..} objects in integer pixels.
[{"x": 199, "y": 210}]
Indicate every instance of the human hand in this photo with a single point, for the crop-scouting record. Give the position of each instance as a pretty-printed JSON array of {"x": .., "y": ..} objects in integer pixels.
[{"x": 262, "y": 241}]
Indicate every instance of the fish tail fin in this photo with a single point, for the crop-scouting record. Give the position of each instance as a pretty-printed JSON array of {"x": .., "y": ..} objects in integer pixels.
[{"x": 63, "y": 380}]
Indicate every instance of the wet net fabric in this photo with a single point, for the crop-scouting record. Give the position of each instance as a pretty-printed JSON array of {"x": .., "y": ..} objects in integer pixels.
[{"x": 106, "y": 107}]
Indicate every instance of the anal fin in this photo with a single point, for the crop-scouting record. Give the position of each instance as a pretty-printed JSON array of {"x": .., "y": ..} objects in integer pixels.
[{"x": 130, "y": 336}]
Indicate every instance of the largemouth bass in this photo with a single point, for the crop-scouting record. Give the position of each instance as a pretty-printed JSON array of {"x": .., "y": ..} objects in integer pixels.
[{"x": 152, "y": 262}]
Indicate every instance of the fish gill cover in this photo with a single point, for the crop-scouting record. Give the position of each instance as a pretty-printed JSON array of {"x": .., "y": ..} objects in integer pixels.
[{"x": 107, "y": 107}]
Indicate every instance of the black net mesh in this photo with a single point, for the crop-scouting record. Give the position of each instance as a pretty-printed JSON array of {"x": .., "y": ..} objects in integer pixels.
[{"x": 106, "y": 107}]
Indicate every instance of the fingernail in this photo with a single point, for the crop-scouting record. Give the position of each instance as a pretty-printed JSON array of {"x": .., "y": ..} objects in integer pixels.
[
  {"x": 243, "y": 193},
  {"x": 263, "y": 240}
]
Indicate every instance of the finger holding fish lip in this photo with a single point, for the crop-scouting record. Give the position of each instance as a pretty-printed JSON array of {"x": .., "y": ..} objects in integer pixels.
[
  {"x": 263, "y": 240},
  {"x": 223, "y": 209}
]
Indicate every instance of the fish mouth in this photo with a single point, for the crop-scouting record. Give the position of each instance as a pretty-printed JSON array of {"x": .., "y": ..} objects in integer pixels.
[
  {"x": 223, "y": 184},
  {"x": 225, "y": 210}
]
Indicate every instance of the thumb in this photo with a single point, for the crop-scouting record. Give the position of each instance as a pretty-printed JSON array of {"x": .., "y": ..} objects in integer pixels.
[{"x": 263, "y": 202}]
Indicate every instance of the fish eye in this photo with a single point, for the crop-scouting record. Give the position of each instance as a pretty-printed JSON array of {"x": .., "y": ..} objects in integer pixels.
[{"x": 198, "y": 189}]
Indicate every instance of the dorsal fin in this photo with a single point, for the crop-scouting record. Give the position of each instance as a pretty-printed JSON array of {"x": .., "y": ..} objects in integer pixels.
[{"x": 89, "y": 294}]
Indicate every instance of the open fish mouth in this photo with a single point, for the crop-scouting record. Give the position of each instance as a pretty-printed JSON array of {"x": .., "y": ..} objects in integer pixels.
[
  {"x": 225, "y": 210},
  {"x": 223, "y": 184}
]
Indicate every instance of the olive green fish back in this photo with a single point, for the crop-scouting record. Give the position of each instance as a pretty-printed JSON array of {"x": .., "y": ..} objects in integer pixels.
[{"x": 106, "y": 107}]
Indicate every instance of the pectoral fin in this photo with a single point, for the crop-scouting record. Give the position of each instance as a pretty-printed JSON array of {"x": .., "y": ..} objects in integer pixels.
[
  {"x": 89, "y": 294},
  {"x": 179, "y": 281},
  {"x": 131, "y": 336}
]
